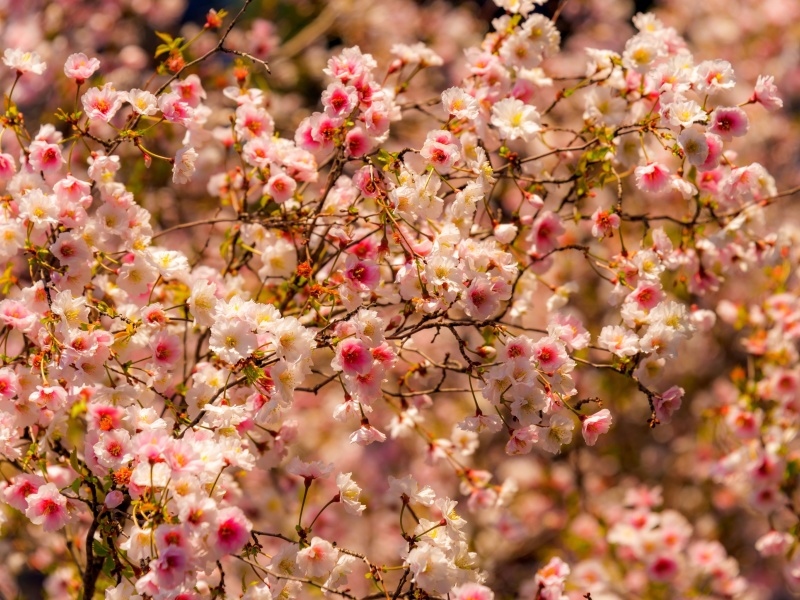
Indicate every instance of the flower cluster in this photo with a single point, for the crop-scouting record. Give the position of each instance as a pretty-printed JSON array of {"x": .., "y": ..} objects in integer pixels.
[{"x": 397, "y": 306}]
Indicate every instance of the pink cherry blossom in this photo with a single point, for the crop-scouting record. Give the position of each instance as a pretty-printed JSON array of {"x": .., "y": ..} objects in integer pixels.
[
  {"x": 596, "y": 424},
  {"x": 102, "y": 103},
  {"x": 80, "y": 67},
  {"x": 653, "y": 177},
  {"x": 353, "y": 357},
  {"x": 47, "y": 507},
  {"x": 766, "y": 93},
  {"x": 231, "y": 531}
]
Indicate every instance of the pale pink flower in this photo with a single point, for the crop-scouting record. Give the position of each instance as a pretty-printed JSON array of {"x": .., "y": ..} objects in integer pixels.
[
  {"x": 252, "y": 122},
  {"x": 417, "y": 53},
  {"x": 38, "y": 208},
  {"x": 281, "y": 187},
  {"x": 481, "y": 299},
  {"x": 557, "y": 434},
  {"x": 350, "y": 64},
  {"x": 409, "y": 488},
  {"x": 47, "y": 507},
  {"x": 9, "y": 383},
  {"x": 171, "y": 535},
  {"x": 175, "y": 109},
  {"x": 695, "y": 146},
  {"x": 45, "y": 157},
  {"x": 142, "y": 102},
  {"x": 713, "y": 76},
  {"x": 366, "y": 435},
  {"x": 16, "y": 314},
  {"x": 471, "y": 591},
  {"x": 313, "y": 470},
  {"x": 190, "y": 90},
  {"x": 71, "y": 249},
  {"x": 604, "y": 222},
  {"x": 52, "y": 397},
  {"x": 102, "y": 103},
  {"x": 184, "y": 165},
  {"x": 114, "y": 449},
  {"x": 667, "y": 403},
  {"x": 258, "y": 152},
  {"x": 553, "y": 573},
  {"x": 460, "y": 104},
  {"x": 569, "y": 329},
  {"x": 80, "y": 67},
  {"x": 377, "y": 119},
  {"x": 23, "y": 62},
  {"x": 619, "y": 340},
  {"x": 349, "y": 493},
  {"x": 368, "y": 181},
  {"x": 318, "y": 558},
  {"x": 7, "y": 166},
  {"x": 715, "y": 147},
  {"x": 766, "y": 93},
  {"x": 545, "y": 232},
  {"x": 166, "y": 349},
  {"x": 103, "y": 417},
  {"x": 113, "y": 499},
  {"x": 774, "y": 543},
  {"x": 514, "y": 119},
  {"x": 505, "y": 233},
  {"x": 522, "y": 440},
  {"x": 653, "y": 177},
  {"x": 594, "y": 425}
]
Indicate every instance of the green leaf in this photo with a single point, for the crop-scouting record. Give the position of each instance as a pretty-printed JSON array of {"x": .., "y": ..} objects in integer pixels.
[
  {"x": 108, "y": 566},
  {"x": 162, "y": 49},
  {"x": 164, "y": 36},
  {"x": 99, "y": 548},
  {"x": 253, "y": 373}
]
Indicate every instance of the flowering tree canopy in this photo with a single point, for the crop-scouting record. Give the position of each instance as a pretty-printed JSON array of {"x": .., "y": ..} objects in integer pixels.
[{"x": 500, "y": 315}]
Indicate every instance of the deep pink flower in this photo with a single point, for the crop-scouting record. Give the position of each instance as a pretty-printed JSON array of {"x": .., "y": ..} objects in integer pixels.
[
  {"x": 365, "y": 275},
  {"x": 231, "y": 531},
  {"x": 17, "y": 491},
  {"x": 170, "y": 567},
  {"x": 357, "y": 142},
  {"x": 339, "y": 100},
  {"x": 47, "y": 507},
  {"x": 353, "y": 357},
  {"x": 729, "y": 122}
]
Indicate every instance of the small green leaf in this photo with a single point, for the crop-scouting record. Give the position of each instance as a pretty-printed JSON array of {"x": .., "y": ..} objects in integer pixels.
[
  {"x": 164, "y": 36},
  {"x": 99, "y": 548}
]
